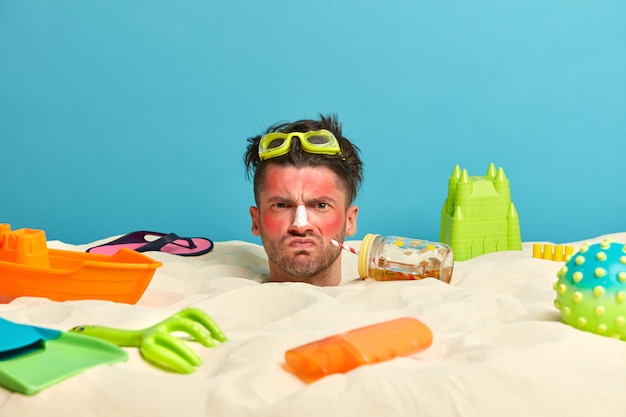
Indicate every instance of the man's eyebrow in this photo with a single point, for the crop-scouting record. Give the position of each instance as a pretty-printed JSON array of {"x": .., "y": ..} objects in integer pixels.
[
  {"x": 318, "y": 199},
  {"x": 322, "y": 199},
  {"x": 279, "y": 199}
]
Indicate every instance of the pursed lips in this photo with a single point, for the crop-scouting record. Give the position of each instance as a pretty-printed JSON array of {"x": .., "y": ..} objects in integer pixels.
[{"x": 301, "y": 243}]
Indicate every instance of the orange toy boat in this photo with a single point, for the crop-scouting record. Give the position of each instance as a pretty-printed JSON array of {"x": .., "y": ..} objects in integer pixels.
[{"x": 29, "y": 268}]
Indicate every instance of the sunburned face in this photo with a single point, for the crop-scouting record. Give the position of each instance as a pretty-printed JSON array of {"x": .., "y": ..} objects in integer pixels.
[{"x": 300, "y": 210}]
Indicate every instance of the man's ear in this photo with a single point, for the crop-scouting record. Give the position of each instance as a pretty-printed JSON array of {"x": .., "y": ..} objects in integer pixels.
[
  {"x": 351, "y": 216},
  {"x": 254, "y": 215}
]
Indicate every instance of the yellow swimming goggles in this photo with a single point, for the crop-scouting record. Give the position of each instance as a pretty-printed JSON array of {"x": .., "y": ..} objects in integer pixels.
[{"x": 316, "y": 141}]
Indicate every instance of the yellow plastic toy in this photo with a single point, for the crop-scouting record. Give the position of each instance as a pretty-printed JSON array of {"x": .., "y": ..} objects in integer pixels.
[
  {"x": 559, "y": 253},
  {"x": 29, "y": 268}
]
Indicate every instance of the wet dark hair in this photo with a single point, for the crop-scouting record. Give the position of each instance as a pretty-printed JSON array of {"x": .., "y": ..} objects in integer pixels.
[{"x": 348, "y": 166}]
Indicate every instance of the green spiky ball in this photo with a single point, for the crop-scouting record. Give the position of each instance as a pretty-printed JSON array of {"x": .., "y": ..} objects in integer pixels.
[{"x": 591, "y": 289}]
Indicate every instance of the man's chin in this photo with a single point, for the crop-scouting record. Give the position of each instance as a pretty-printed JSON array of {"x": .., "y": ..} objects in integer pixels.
[{"x": 302, "y": 253}]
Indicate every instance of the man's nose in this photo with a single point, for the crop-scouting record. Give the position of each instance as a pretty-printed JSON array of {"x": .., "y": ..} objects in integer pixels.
[{"x": 300, "y": 219}]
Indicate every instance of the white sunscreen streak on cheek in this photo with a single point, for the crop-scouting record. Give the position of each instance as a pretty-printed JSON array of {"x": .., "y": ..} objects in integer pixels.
[{"x": 301, "y": 217}]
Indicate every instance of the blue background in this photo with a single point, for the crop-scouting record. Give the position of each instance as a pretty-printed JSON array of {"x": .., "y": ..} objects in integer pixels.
[{"x": 118, "y": 116}]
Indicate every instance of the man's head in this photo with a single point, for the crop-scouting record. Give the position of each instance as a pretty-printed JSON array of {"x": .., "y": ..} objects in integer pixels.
[{"x": 305, "y": 181}]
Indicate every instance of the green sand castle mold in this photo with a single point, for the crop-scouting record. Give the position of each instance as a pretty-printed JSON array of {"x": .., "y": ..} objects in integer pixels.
[{"x": 478, "y": 216}]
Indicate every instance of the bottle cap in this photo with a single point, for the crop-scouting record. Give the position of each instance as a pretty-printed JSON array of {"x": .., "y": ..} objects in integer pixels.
[{"x": 364, "y": 254}]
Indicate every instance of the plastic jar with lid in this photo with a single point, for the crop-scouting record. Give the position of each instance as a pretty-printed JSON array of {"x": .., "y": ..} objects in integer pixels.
[{"x": 387, "y": 258}]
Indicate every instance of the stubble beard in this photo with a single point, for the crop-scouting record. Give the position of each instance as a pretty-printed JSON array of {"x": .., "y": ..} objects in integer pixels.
[{"x": 304, "y": 263}]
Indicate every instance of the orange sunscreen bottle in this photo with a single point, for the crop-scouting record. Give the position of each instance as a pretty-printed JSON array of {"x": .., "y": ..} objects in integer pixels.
[{"x": 365, "y": 345}]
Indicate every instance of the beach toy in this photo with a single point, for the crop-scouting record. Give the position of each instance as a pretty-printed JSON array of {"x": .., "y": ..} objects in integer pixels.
[
  {"x": 157, "y": 346},
  {"x": 591, "y": 289},
  {"x": 371, "y": 344},
  {"x": 557, "y": 253},
  {"x": 29, "y": 268},
  {"x": 478, "y": 216},
  {"x": 387, "y": 258},
  {"x": 33, "y": 358}
]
